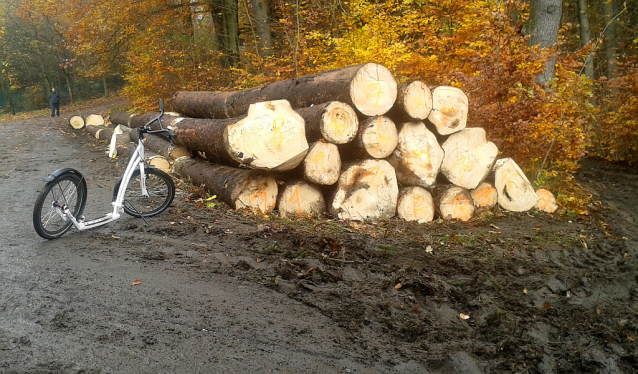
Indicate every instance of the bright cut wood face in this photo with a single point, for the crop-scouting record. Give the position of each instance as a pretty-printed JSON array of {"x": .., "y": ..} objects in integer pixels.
[
  {"x": 515, "y": 192},
  {"x": 418, "y": 156},
  {"x": 468, "y": 157},
  {"x": 373, "y": 89},
  {"x": 415, "y": 204},
  {"x": 449, "y": 110}
]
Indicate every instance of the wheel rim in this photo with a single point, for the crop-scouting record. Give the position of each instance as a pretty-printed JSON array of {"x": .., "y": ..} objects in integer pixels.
[
  {"x": 64, "y": 192},
  {"x": 157, "y": 189}
]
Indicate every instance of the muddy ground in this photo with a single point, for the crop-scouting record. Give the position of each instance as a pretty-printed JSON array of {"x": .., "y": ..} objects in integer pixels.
[{"x": 227, "y": 291}]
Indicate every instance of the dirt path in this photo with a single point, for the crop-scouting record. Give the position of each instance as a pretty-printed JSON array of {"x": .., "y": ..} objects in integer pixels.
[{"x": 226, "y": 291}]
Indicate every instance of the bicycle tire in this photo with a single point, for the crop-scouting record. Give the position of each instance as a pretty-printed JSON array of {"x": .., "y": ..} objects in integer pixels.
[
  {"x": 64, "y": 189},
  {"x": 159, "y": 186}
]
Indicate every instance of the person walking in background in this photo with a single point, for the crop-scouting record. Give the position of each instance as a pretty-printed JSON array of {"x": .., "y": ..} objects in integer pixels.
[{"x": 54, "y": 99}]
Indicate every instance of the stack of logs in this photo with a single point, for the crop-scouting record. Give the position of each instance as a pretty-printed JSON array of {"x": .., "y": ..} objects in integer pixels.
[{"x": 349, "y": 141}]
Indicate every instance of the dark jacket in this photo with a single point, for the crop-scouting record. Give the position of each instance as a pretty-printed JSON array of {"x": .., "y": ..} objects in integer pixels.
[{"x": 54, "y": 97}]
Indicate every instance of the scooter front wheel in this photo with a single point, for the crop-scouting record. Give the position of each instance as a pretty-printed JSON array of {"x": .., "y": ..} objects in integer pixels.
[{"x": 65, "y": 190}]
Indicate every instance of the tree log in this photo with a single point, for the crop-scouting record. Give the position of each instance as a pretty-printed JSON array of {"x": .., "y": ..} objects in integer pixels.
[
  {"x": 414, "y": 102},
  {"x": 546, "y": 201},
  {"x": 122, "y": 118},
  {"x": 334, "y": 121},
  {"x": 415, "y": 204},
  {"x": 515, "y": 192},
  {"x": 418, "y": 156},
  {"x": 322, "y": 164},
  {"x": 300, "y": 199},
  {"x": 99, "y": 132},
  {"x": 484, "y": 196},
  {"x": 77, "y": 122},
  {"x": 377, "y": 138},
  {"x": 271, "y": 137},
  {"x": 453, "y": 202},
  {"x": 366, "y": 190},
  {"x": 159, "y": 162},
  {"x": 239, "y": 188},
  {"x": 119, "y": 141},
  {"x": 161, "y": 146},
  {"x": 94, "y": 120},
  {"x": 369, "y": 88},
  {"x": 449, "y": 110},
  {"x": 468, "y": 157}
]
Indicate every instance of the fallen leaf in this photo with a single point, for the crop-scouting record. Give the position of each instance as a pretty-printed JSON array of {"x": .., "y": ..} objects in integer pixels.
[
  {"x": 464, "y": 316},
  {"x": 311, "y": 270},
  {"x": 416, "y": 308},
  {"x": 547, "y": 305},
  {"x": 428, "y": 249},
  {"x": 525, "y": 291},
  {"x": 493, "y": 225},
  {"x": 115, "y": 237},
  {"x": 137, "y": 282},
  {"x": 399, "y": 285},
  {"x": 211, "y": 198}
]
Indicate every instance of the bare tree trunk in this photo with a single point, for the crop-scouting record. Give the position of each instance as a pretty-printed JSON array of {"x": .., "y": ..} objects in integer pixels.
[
  {"x": 585, "y": 35},
  {"x": 260, "y": 11},
  {"x": 545, "y": 21},
  {"x": 226, "y": 13},
  {"x": 68, "y": 85},
  {"x": 611, "y": 36}
]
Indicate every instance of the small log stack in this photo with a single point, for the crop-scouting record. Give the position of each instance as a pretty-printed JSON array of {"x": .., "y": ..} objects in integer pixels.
[{"x": 349, "y": 141}]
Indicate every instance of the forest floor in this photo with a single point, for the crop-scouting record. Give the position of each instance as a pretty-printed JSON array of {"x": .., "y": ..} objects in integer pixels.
[{"x": 503, "y": 293}]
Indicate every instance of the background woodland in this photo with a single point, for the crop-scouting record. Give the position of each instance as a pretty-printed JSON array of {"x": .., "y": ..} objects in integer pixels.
[{"x": 549, "y": 81}]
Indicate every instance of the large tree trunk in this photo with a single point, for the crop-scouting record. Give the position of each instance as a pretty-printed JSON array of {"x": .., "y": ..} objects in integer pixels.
[
  {"x": 369, "y": 88},
  {"x": 239, "y": 188},
  {"x": 415, "y": 204},
  {"x": 377, "y": 138},
  {"x": 611, "y": 36},
  {"x": 585, "y": 36},
  {"x": 515, "y": 192},
  {"x": 469, "y": 157},
  {"x": 449, "y": 110},
  {"x": 417, "y": 157},
  {"x": 414, "y": 102},
  {"x": 334, "y": 121},
  {"x": 322, "y": 164},
  {"x": 160, "y": 146},
  {"x": 453, "y": 202},
  {"x": 544, "y": 20},
  {"x": 122, "y": 118},
  {"x": 300, "y": 199},
  {"x": 260, "y": 12},
  {"x": 366, "y": 190}
]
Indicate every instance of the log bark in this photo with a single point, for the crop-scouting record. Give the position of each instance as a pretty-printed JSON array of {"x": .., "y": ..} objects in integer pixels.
[
  {"x": 377, "y": 138},
  {"x": 271, "y": 137},
  {"x": 239, "y": 188},
  {"x": 469, "y": 157},
  {"x": 161, "y": 146},
  {"x": 415, "y": 204},
  {"x": 546, "y": 201},
  {"x": 484, "y": 196},
  {"x": 449, "y": 110},
  {"x": 414, "y": 102},
  {"x": 300, "y": 199},
  {"x": 334, "y": 121},
  {"x": 77, "y": 122},
  {"x": 367, "y": 190},
  {"x": 515, "y": 192},
  {"x": 99, "y": 132},
  {"x": 322, "y": 164},
  {"x": 122, "y": 118},
  {"x": 418, "y": 156},
  {"x": 453, "y": 202},
  {"x": 369, "y": 88},
  {"x": 94, "y": 120}
]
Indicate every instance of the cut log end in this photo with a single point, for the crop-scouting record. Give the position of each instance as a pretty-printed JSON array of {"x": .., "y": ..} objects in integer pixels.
[
  {"x": 415, "y": 204},
  {"x": 366, "y": 190},
  {"x": 259, "y": 195},
  {"x": 546, "y": 201},
  {"x": 160, "y": 162},
  {"x": 484, "y": 196},
  {"x": 449, "y": 110},
  {"x": 339, "y": 123},
  {"x": 418, "y": 155},
  {"x": 77, "y": 122},
  {"x": 301, "y": 199},
  {"x": 469, "y": 157},
  {"x": 322, "y": 164},
  {"x": 515, "y": 192},
  {"x": 94, "y": 120},
  {"x": 416, "y": 100},
  {"x": 379, "y": 137},
  {"x": 271, "y": 137},
  {"x": 455, "y": 203},
  {"x": 373, "y": 89}
]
